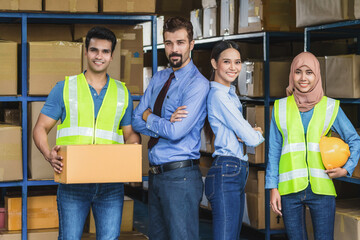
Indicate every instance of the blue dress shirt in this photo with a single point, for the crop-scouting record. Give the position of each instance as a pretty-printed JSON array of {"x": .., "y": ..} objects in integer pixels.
[
  {"x": 179, "y": 140},
  {"x": 54, "y": 106},
  {"x": 342, "y": 126},
  {"x": 227, "y": 122}
]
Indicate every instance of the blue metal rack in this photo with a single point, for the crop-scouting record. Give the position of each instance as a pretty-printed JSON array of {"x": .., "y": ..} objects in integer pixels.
[
  {"x": 341, "y": 30},
  {"x": 25, "y": 18},
  {"x": 265, "y": 38}
]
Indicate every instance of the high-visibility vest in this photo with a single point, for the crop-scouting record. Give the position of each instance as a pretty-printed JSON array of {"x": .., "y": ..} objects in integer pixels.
[
  {"x": 80, "y": 125},
  {"x": 300, "y": 160}
]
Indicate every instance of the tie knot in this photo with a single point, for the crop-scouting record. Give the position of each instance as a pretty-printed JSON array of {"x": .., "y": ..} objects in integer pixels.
[{"x": 172, "y": 75}]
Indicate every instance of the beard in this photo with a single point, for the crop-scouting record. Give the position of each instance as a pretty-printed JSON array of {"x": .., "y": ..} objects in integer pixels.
[{"x": 176, "y": 64}]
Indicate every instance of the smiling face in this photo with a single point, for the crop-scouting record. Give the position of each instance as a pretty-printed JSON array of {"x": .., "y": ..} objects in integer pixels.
[
  {"x": 98, "y": 55},
  {"x": 178, "y": 48},
  {"x": 228, "y": 66},
  {"x": 304, "y": 79}
]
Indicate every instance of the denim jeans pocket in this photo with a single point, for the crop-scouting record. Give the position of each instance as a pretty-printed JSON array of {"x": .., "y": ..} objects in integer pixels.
[
  {"x": 230, "y": 169},
  {"x": 209, "y": 186}
]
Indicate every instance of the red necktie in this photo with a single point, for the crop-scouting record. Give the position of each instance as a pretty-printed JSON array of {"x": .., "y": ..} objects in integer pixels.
[{"x": 158, "y": 105}]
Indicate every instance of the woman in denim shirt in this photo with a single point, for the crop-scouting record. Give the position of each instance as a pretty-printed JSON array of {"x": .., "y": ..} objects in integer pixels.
[{"x": 225, "y": 181}]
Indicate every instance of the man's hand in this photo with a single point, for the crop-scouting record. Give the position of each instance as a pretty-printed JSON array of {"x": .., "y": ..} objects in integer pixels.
[
  {"x": 55, "y": 160},
  {"x": 146, "y": 114},
  {"x": 336, "y": 172},
  {"x": 179, "y": 114},
  {"x": 275, "y": 201}
]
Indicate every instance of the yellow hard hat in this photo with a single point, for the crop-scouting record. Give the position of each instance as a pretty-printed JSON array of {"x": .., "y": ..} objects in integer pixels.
[{"x": 334, "y": 152}]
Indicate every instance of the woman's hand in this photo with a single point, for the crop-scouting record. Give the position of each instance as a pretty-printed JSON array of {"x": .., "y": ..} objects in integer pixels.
[
  {"x": 258, "y": 129},
  {"x": 275, "y": 201},
  {"x": 336, "y": 172},
  {"x": 179, "y": 114}
]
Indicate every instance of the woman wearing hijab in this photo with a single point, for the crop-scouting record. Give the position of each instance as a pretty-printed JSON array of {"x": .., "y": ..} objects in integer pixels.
[{"x": 295, "y": 173}]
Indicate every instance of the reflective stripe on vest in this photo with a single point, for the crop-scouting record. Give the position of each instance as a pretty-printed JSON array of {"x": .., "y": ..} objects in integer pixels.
[
  {"x": 298, "y": 159},
  {"x": 79, "y": 124}
]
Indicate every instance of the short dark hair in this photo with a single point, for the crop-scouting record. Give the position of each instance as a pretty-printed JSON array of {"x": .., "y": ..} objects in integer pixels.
[
  {"x": 219, "y": 48},
  {"x": 101, "y": 33},
  {"x": 175, "y": 23}
]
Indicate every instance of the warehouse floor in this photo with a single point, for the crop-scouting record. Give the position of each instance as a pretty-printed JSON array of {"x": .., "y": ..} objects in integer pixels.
[{"x": 141, "y": 220}]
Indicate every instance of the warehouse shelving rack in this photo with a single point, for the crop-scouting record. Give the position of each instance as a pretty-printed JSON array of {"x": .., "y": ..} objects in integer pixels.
[
  {"x": 338, "y": 30},
  {"x": 265, "y": 38},
  {"x": 23, "y": 98}
]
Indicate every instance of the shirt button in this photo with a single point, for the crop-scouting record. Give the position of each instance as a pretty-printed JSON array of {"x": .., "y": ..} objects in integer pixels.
[
  {"x": 157, "y": 131},
  {"x": 94, "y": 94}
]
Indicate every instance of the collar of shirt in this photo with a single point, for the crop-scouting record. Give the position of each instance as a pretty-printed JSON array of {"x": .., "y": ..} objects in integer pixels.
[
  {"x": 222, "y": 87},
  {"x": 179, "y": 74},
  {"x": 106, "y": 85}
]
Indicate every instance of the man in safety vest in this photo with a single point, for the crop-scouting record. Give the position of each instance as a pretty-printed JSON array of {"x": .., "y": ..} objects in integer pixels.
[{"x": 94, "y": 109}]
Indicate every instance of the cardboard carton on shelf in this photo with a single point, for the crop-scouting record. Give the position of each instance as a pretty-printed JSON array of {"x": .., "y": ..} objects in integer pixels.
[
  {"x": 210, "y": 22},
  {"x": 323, "y": 11},
  {"x": 255, "y": 115},
  {"x": 343, "y": 76},
  {"x": 132, "y": 59},
  {"x": 22, "y": 5},
  {"x": 227, "y": 17},
  {"x": 39, "y": 168},
  {"x": 100, "y": 163},
  {"x": 10, "y": 153},
  {"x": 126, "y": 220},
  {"x": 127, "y": 6},
  {"x": 269, "y": 15},
  {"x": 41, "y": 212},
  {"x": 71, "y": 6},
  {"x": 36, "y": 234},
  {"x": 50, "y": 62},
  {"x": 8, "y": 68}
]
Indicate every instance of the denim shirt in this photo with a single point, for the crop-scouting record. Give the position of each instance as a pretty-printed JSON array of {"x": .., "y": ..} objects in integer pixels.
[
  {"x": 228, "y": 124},
  {"x": 341, "y": 125},
  {"x": 179, "y": 140}
]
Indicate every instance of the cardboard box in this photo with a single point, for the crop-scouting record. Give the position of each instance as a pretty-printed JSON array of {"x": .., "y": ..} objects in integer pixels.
[
  {"x": 196, "y": 19},
  {"x": 71, "y": 5},
  {"x": 23, "y": 5},
  {"x": 132, "y": 59},
  {"x": 106, "y": 163},
  {"x": 8, "y": 68},
  {"x": 127, "y": 6},
  {"x": 39, "y": 168},
  {"x": 144, "y": 149},
  {"x": 37, "y": 32},
  {"x": 255, "y": 115},
  {"x": 343, "y": 76},
  {"x": 347, "y": 220},
  {"x": 269, "y": 15},
  {"x": 41, "y": 212},
  {"x": 50, "y": 62},
  {"x": 255, "y": 198},
  {"x": 114, "y": 67},
  {"x": 227, "y": 17},
  {"x": 210, "y": 22},
  {"x": 10, "y": 153},
  {"x": 127, "y": 220},
  {"x": 41, "y": 234},
  {"x": 323, "y": 11}
]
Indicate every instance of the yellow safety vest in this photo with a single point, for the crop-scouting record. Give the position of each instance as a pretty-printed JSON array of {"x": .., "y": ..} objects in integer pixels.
[
  {"x": 300, "y": 160},
  {"x": 79, "y": 125}
]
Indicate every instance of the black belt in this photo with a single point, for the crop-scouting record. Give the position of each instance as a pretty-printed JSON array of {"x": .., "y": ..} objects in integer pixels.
[{"x": 157, "y": 169}]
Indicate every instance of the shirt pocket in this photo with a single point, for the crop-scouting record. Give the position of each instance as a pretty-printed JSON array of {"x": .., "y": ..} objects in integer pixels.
[{"x": 171, "y": 102}]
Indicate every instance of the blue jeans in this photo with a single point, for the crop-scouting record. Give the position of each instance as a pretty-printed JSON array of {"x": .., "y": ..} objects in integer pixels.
[
  {"x": 174, "y": 200},
  {"x": 74, "y": 202},
  {"x": 224, "y": 188},
  {"x": 322, "y": 210}
]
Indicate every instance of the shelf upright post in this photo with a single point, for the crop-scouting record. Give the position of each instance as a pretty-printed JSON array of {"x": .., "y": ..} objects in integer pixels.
[
  {"x": 306, "y": 40},
  {"x": 154, "y": 44},
  {"x": 24, "y": 123},
  {"x": 266, "y": 49}
]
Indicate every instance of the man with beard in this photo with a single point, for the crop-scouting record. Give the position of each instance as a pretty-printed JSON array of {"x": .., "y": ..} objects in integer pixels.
[{"x": 172, "y": 112}]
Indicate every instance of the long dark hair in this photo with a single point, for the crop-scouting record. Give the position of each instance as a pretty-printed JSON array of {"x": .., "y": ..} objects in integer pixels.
[{"x": 219, "y": 48}]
